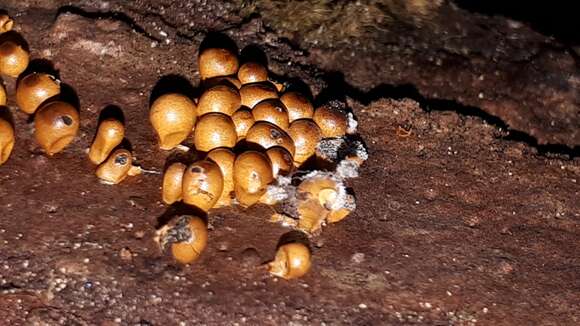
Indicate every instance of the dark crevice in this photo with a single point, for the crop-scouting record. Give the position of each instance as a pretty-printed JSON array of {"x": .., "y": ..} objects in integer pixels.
[
  {"x": 9, "y": 286},
  {"x": 574, "y": 55},
  {"x": 558, "y": 19},
  {"x": 113, "y": 15},
  {"x": 338, "y": 88}
]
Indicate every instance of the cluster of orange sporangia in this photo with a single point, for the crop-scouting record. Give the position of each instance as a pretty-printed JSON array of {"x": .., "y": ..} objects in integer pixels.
[
  {"x": 258, "y": 143},
  {"x": 56, "y": 122},
  {"x": 13, "y": 61}
]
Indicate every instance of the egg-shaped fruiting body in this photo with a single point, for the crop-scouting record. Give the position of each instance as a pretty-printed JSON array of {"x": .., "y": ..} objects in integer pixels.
[
  {"x": 322, "y": 199},
  {"x": 13, "y": 59},
  {"x": 316, "y": 197},
  {"x": 186, "y": 235},
  {"x": 332, "y": 122},
  {"x": 172, "y": 188},
  {"x": 189, "y": 247},
  {"x": 214, "y": 130},
  {"x": 293, "y": 260},
  {"x": 311, "y": 215},
  {"x": 203, "y": 184},
  {"x": 297, "y": 105},
  {"x": 2, "y": 95},
  {"x": 117, "y": 167},
  {"x": 110, "y": 134},
  {"x": 252, "y": 72},
  {"x": 6, "y": 24},
  {"x": 252, "y": 174},
  {"x": 269, "y": 135},
  {"x": 243, "y": 120},
  {"x": 254, "y": 93},
  {"x": 281, "y": 159},
  {"x": 272, "y": 111},
  {"x": 220, "y": 98},
  {"x": 35, "y": 89},
  {"x": 7, "y": 140},
  {"x": 224, "y": 158},
  {"x": 215, "y": 62},
  {"x": 173, "y": 117},
  {"x": 323, "y": 189},
  {"x": 55, "y": 126},
  {"x": 305, "y": 134}
]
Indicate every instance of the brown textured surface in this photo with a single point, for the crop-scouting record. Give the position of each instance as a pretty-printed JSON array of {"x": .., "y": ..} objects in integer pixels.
[
  {"x": 500, "y": 66},
  {"x": 454, "y": 225}
]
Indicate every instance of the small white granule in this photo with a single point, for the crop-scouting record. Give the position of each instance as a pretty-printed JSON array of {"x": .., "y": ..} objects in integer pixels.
[{"x": 352, "y": 124}]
